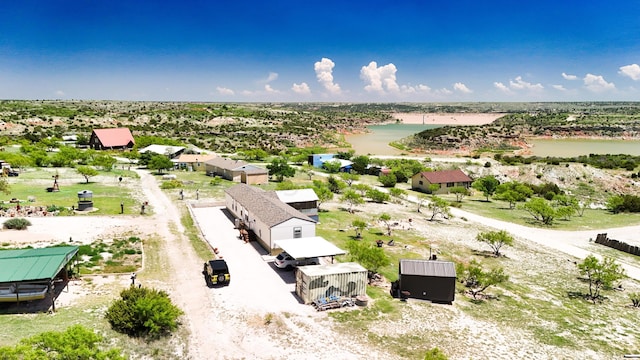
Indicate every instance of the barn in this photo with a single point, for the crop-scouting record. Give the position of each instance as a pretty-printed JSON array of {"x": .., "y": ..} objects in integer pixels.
[
  {"x": 112, "y": 138},
  {"x": 432, "y": 280}
]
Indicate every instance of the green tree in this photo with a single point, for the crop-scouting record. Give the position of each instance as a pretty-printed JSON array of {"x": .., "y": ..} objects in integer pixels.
[
  {"x": 87, "y": 172},
  {"x": 335, "y": 185},
  {"x": 362, "y": 189},
  {"x": 106, "y": 162},
  {"x": 435, "y": 354},
  {"x": 377, "y": 196},
  {"x": 76, "y": 342},
  {"x": 371, "y": 257},
  {"x": 332, "y": 166},
  {"x": 280, "y": 168},
  {"x": 352, "y": 198},
  {"x": 541, "y": 210},
  {"x": 322, "y": 191},
  {"x": 566, "y": 206},
  {"x": 600, "y": 274},
  {"x": 513, "y": 192},
  {"x": 399, "y": 194},
  {"x": 143, "y": 312},
  {"x": 349, "y": 178},
  {"x": 495, "y": 240},
  {"x": 478, "y": 280},
  {"x": 66, "y": 156},
  {"x": 359, "y": 226},
  {"x": 360, "y": 164},
  {"x": 487, "y": 185},
  {"x": 17, "y": 160},
  {"x": 460, "y": 192},
  {"x": 287, "y": 185},
  {"x": 4, "y": 186},
  {"x": 439, "y": 206},
  {"x": 386, "y": 220},
  {"x": 255, "y": 154},
  {"x": 388, "y": 180},
  {"x": 160, "y": 163}
]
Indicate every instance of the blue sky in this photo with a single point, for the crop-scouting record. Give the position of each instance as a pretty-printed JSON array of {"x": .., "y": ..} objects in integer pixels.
[{"x": 346, "y": 51}]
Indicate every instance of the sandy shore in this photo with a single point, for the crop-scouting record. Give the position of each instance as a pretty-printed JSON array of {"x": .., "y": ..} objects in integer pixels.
[{"x": 446, "y": 118}]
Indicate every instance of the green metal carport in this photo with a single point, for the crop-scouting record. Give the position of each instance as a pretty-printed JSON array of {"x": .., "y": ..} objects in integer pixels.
[{"x": 30, "y": 267}]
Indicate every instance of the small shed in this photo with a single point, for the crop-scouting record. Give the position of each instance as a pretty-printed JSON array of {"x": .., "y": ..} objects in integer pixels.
[
  {"x": 341, "y": 279},
  {"x": 431, "y": 280}
]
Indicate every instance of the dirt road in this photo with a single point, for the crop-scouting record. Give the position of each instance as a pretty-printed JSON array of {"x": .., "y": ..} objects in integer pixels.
[{"x": 256, "y": 316}]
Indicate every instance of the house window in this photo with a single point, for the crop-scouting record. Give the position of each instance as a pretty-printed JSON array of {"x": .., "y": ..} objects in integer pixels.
[
  {"x": 297, "y": 232},
  {"x": 420, "y": 182},
  {"x": 451, "y": 184}
]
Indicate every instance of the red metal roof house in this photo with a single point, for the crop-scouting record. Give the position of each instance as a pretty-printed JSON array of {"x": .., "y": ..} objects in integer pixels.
[
  {"x": 446, "y": 179},
  {"x": 114, "y": 138}
]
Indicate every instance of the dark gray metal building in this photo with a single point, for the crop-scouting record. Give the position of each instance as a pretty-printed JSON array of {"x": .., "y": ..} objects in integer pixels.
[{"x": 431, "y": 280}]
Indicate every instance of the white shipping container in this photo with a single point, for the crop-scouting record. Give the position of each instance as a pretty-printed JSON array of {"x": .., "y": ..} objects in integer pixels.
[{"x": 341, "y": 279}]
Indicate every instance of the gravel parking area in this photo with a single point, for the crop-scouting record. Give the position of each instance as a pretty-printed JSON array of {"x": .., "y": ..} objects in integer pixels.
[{"x": 253, "y": 274}]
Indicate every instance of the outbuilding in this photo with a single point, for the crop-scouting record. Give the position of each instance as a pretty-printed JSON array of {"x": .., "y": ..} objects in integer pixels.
[
  {"x": 340, "y": 279},
  {"x": 30, "y": 274},
  {"x": 432, "y": 280}
]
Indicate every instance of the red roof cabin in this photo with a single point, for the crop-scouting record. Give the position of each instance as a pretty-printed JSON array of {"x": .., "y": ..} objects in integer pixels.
[
  {"x": 115, "y": 138},
  {"x": 446, "y": 179}
]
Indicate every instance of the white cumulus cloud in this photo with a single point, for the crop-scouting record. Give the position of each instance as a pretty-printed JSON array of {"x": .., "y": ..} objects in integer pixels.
[
  {"x": 302, "y": 88},
  {"x": 224, "y": 91},
  {"x": 519, "y": 84},
  {"x": 379, "y": 79},
  {"x": 444, "y": 91},
  {"x": 632, "y": 71},
  {"x": 559, "y": 87},
  {"x": 569, "y": 77},
  {"x": 597, "y": 83},
  {"x": 462, "y": 88},
  {"x": 420, "y": 88},
  {"x": 270, "y": 90},
  {"x": 502, "y": 87},
  {"x": 324, "y": 74},
  {"x": 272, "y": 76},
  {"x": 59, "y": 93}
]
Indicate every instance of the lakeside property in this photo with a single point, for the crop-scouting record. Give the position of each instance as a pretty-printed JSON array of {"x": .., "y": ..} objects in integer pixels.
[{"x": 377, "y": 141}]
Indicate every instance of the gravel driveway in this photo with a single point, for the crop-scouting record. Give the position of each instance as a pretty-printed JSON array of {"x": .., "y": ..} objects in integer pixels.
[{"x": 253, "y": 275}]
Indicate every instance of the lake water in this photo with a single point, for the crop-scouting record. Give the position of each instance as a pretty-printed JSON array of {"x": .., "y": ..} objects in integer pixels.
[
  {"x": 376, "y": 142},
  {"x": 576, "y": 147}
]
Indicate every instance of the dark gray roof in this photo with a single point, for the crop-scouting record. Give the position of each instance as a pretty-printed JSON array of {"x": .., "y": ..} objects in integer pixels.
[
  {"x": 264, "y": 206},
  {"x": 252, "y": 169},
  {"x": 225, "y": 163},
  {"x": 427, "y": 268}
]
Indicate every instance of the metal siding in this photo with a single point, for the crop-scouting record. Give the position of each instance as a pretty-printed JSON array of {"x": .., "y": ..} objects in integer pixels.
[
  {"x": 345, "y": 279},
  {"x": 432, "y": 288},
  {"x": 427, "y": 268}
]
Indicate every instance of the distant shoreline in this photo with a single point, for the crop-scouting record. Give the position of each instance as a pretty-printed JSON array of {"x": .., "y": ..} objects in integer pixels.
[{"x": 447, "y": 118}]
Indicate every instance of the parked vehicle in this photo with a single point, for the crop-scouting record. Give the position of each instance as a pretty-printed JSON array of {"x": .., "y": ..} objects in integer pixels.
[
  {"x": 216, "y": 272},
  {"x": 285, "y": 261}
]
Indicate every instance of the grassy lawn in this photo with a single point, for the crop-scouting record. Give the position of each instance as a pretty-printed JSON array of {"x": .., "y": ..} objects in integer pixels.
[
  {"x": 195, "y": 184},
  {"x": 107, "y": 194}
]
